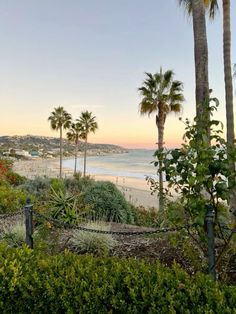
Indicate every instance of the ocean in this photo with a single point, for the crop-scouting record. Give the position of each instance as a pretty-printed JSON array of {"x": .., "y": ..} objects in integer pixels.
[{"x": 136, "y": 163}]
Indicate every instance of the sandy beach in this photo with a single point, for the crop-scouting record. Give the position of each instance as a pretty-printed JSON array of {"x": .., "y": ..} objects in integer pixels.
[{"x": 135, "y": 191}]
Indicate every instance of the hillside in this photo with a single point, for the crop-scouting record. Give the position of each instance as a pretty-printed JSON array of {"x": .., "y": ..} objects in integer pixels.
[{"x": 49, "y": 146}]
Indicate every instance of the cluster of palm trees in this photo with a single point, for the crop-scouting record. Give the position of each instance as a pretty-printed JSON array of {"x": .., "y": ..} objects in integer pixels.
[
  {"x": 161, "y": 94},
  {"x": 61, "y": 120}
]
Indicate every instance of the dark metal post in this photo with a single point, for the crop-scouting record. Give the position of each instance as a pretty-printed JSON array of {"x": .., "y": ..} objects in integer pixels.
[
  {"x": 28, "y": 224},
  {"x": 210, "y": 216}
]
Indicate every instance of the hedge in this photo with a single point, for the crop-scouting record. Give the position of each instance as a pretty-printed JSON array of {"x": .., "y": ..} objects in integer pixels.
[
  {"x": 32, "y": 282},
  {"x": 107, "y": 202}
]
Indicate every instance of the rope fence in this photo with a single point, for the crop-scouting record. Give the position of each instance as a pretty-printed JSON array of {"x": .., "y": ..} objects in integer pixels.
[
  {"x": 128, "y": 233},
  {"x": 28, "y": 213}
]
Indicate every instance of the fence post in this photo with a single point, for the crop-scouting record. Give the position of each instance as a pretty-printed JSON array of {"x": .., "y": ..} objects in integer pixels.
[
  {"x": 28, "y": 224},
  {"x": 209, "y": 219}
]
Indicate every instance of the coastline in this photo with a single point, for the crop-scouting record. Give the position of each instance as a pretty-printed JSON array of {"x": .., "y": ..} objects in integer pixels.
[{"x": 135, "y": 190}]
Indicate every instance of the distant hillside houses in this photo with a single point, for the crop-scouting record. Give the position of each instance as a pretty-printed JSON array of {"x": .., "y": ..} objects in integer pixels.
[
  {"x": 30, "y": 146},
  {"x": 21, "y": 153}
]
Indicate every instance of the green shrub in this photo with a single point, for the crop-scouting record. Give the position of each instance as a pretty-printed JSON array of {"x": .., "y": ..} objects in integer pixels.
[
  {"x": 14, "y": 235},
  {"x": 7, "y": 175},
  {"x": 91, "y": 242},
  {"x": 57, "y": 185},
  {"x": 15, "y": 179},
  {"x": 38, "y": 186},
  {"x": 11, "y": 199},
  {"x": 31, "y": 282},
  {"x": 107, "y": 202},
  {"x": 145, "y": 217},
  {"x": 78, "y": 183}
]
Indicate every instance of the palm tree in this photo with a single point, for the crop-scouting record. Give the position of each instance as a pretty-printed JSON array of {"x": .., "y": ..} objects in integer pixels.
[
  {"x": 74, "y": 134},
  {"x": 212, "y": 7},
  {"x": 88, "y": 125},
  {"x": 229, "y": 95},
  {"x": 161, "y": 95},
  {"x": 234, "y": 71},
  {"x": 228, "y": 73},
  {"x": 59, "y": 120},
  {"x": 196, "y": 7}
]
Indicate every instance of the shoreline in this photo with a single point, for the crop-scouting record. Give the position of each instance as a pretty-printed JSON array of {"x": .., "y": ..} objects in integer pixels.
[{"x": 135, "y": 190}]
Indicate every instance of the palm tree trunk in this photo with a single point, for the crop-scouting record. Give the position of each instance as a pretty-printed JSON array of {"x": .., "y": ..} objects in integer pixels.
[
  {"x": 201, "y": 62},
  {"x": 85, "y": 155},
  {"x": 60, "y": 152},
  {"x": 160, "y": 121},
  {"x": 76, "y": 154},
  {"x": 229, "y": 94},
  {"x": 228, "y": 72}
]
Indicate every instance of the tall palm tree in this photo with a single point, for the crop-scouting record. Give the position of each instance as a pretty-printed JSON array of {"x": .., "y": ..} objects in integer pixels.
[
  {"x": 74, "y": 134},
  {"x": 229, "y": 94},
  {"x": 228, "y": 73},
  {"x": 196, "y": 7},
  {"x": 88, "y": 124},
  {"x": 234, "y": 71},
  {"x": 60, "y": 119},
  {"x": 212, "y": 7},
  {"x": 161, "y": 95}
]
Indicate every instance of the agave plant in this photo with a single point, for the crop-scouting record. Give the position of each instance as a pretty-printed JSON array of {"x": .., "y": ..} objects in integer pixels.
[
  {"x": 63, "y": 205},
  {"x": 67, "y": 207}
]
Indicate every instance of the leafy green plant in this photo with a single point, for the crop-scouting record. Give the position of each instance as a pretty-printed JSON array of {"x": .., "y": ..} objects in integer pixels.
[
  {"x": 38, "y": 186},
  {"x": 67, "y": 207},
  {"x": 63, "y": 205},
  {"x": 68, "y": 283},
  {"x": 57, "y": 185},
  {"x": 7, "y": 175},
  {"x": 107, "y": 202},
  {"x": 145, "y": 217},
  {"x": 14, "y": 235},
  {"x": 201, "y": 175},
  {"x": 92, "y": 242},
  {"x": 78, "y": 183},
  {"x": 199, "y": 172},
  {"x": 11, "y": 199}
]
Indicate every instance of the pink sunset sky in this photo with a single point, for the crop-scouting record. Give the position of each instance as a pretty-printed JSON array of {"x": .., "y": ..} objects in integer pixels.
[{"x": 92, "y": 55}]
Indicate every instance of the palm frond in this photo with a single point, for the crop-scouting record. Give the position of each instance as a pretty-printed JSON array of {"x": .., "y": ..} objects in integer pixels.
[
  {"x": 87, "y": 123},
  {"x": 176, "y": 107},
  {"x": 147, "y": 107},
  {"x": 59, "y": 118},
  {"x": 187, "y": 4},
  {"x": 160, "y": 93},
  {"x": 211, "y": 6}
]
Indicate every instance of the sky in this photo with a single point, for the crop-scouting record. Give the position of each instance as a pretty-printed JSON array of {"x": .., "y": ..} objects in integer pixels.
[{"x": 92, "y": 55}]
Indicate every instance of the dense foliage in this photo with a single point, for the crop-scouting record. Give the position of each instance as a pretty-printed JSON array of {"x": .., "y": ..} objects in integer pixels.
[
  {"x": 198, "y": 171},
  {"x": 11, "y": 199},
  {"x": 78, "y": 182},
  {"x": 7, "y": 175},
  {"x": 34, "y": 283},
  {"x": 107, "y": 202}
]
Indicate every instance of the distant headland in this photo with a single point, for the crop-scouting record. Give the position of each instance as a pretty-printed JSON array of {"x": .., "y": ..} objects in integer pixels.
[{"x": 31, "y": 146}]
